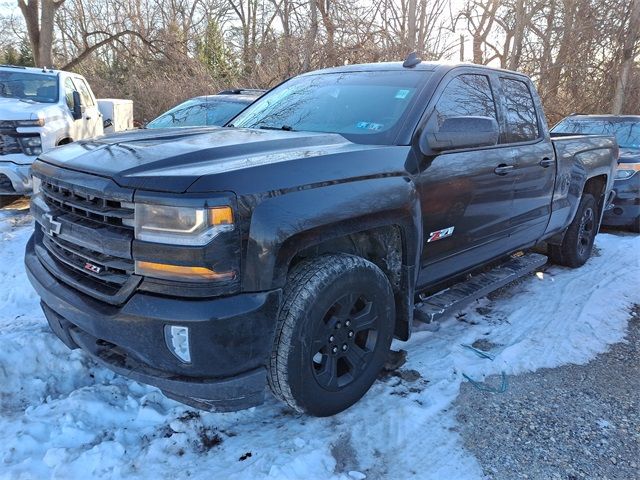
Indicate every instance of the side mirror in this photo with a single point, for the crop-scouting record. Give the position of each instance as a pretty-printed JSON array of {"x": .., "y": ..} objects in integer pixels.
[
  {"x": 107, "y": 123},
  {"x": 77, "y": 106},
  {"x": 460, "y": 132}
]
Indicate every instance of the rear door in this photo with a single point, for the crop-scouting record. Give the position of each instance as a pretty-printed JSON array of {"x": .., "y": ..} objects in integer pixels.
[
  {"x": 466, "y": 195},
  {"x": 534, "y": 160}
]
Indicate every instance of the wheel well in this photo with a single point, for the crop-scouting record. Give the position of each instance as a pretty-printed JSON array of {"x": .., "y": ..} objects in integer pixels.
[
  {"x": 596, "y": 186},
  {"x": 382, "y": 246},
  {"x": 64, "y": 141}
]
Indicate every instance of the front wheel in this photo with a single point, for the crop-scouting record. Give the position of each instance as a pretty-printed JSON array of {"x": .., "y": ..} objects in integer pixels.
[
  {"x": 578, "y": 240},
  {"x": 333, "y": 334}
]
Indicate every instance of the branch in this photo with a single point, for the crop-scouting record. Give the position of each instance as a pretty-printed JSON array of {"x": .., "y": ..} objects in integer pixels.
[{"x": 111, "y": 38}]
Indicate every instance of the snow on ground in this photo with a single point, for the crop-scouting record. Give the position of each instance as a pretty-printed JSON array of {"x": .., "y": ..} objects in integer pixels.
[{"x": 62, "y": 416}]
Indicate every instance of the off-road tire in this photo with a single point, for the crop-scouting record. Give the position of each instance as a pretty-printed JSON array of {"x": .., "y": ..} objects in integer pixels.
[
  {"x": 314, "y": 311},
  {"x": 8, "y": 200},
  {"x": 578, "y": 240}
]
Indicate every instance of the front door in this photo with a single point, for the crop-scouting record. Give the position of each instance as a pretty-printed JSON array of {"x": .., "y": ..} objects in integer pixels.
[
  {"x": 466, "y": 195},
  {"x": 92, "y": 117}
]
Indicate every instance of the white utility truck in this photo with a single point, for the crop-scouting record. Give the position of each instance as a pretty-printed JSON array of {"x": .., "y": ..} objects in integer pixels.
[{"x": 41, "y": 109}]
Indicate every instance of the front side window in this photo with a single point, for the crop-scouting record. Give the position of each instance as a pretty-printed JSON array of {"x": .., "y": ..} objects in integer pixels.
[
  {"x": 364, "y": 107},
  {"x": 521, "y": 118},
  {"x": 466, "y": 95},
  {"x": 29, "y": 87},
  {"x": 85, "y": 93},
  {"x": 69, "y": 88}
]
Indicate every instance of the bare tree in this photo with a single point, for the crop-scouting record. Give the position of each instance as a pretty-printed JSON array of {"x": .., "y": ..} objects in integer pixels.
[
  {"x": 629, "y": 49},
  {"x": 39, "y": 18}
]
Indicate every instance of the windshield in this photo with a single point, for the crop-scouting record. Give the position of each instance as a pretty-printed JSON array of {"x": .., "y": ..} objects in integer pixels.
[
  {"x": 34, "y": 87},
  {"x": 365, "y": 107},
  {"x": 627, "y": 132},
  {"x": 198, "y": 113}
]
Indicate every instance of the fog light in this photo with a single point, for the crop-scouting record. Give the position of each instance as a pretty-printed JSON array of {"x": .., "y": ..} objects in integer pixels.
[{"x": 177, "y": 339}]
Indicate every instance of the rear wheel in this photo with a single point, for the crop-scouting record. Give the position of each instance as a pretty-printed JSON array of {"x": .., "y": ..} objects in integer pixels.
[
  {"x": 578, "y": 240},
  {"x": 333, "y": 334}
]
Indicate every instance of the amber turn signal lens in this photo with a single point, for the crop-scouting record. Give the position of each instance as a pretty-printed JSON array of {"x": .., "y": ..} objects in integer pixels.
[
  {"x": 179, "y": 272},
  {"x": 220, "y": 216}
]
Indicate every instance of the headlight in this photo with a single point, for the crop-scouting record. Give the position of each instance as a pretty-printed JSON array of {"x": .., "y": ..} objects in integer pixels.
[
  {"x": 624, "y": 173},
  {"x": 31, "y": 145},
  {"x": 39, "y": 122},
  {"x": 181, "y": 225}
]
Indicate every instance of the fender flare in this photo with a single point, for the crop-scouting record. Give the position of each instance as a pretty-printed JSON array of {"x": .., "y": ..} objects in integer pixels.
[{"x": 283, "y": 225}]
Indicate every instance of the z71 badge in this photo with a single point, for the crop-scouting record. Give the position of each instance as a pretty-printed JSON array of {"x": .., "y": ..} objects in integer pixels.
[{"x": 440, "y": 234}]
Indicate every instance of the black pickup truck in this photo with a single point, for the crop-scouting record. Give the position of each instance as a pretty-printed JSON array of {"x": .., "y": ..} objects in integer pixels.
[{"x": 293, "y": 245}]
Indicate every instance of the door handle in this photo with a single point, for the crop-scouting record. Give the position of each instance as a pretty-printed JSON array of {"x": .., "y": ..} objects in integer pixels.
[
  {"x": 546, "y": 162},
  {"x": 88, "y": 118},
  {"x": 503, "y": 169}
]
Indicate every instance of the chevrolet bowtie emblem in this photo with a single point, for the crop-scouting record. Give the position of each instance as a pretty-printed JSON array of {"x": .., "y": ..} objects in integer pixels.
[{"x": 53, "y": 226}]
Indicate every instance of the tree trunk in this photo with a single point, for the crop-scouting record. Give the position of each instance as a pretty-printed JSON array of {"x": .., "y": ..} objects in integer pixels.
[
  {"x": 325, "y": 11},
  {"x": 411, "y": 26},
  {"x": 628, "y": 51},
  {"x": 312, "y": 34},
  {"x": 518, "y": 35},
  {"x": 39, "y": 19}
]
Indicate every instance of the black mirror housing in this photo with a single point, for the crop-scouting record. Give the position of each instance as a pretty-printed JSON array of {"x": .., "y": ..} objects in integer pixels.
[
  {"x": 460, "y": 132},
  {"x": 107, "y": 123},
  {"x": 77, "y": 106}
]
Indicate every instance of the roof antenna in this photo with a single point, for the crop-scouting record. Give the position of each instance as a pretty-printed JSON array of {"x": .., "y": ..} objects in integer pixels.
[{"x": 412, "y": 60}]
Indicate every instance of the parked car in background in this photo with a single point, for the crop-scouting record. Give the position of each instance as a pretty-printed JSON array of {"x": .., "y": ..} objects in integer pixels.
[
  {"x": 293, "y": 247},
  {"x": 39, "y": 110},
  {"x": 208, "y": 110},
  {"x": 624, "y": 211}
]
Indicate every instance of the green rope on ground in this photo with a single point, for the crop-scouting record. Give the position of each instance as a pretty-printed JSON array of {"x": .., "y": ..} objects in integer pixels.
[
  {"x": 479, "y": 385},
  {"x": 487, "y": 388},
  {"x": 478, "y": 352}
]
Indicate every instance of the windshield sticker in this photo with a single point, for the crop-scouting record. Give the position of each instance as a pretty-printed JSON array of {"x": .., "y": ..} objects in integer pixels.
[
  {"x": 402, "y": 94},
  {"x": 369, "y": 126}
]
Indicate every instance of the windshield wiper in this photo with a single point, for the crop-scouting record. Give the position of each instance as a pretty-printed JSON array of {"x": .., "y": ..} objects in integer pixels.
[{"x": 283, "y": 127}]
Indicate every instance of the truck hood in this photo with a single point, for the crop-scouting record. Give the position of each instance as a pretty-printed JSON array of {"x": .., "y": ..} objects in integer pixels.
[
  {"x": 173, "y": 159},
  {"x": 13, "y": 109},
  {"x": 629, "y": 155}
]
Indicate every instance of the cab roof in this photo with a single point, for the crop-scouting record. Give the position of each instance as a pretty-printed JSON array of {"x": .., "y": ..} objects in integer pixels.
[
  {"x": 36, "y": 70},
  {"x": 425, "y": 66}
]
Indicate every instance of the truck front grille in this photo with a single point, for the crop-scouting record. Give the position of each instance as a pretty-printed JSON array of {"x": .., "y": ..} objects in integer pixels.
[
  {"x": 85, "y": 239},
  {"x": 85, "y": 205},
  {"x": 9, "y": 138},
  {"x": 9, "y": 144}
]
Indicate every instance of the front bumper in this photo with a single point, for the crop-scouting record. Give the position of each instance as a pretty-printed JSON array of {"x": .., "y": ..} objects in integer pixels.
[
  {"x": 625, "y": 209},
  {"x": 230, "y": 338},
  {"x": 15, "y": 178}
]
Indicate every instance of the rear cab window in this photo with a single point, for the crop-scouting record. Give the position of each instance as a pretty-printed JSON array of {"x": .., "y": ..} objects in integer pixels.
[{"x": 521, "y": 119}]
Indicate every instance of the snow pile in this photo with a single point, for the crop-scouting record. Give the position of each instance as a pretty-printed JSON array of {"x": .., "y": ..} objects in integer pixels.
[{"x": 62, "y": 416}]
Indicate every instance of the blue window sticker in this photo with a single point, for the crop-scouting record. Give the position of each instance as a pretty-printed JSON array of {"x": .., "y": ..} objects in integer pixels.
[
  {"x": 369, "y": 126},
  {"x": 402, "y": 94}
]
